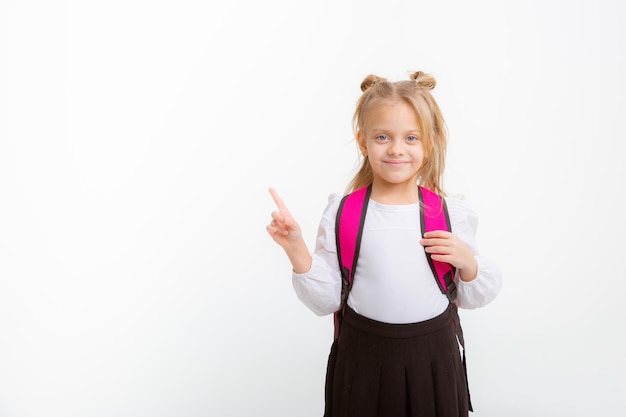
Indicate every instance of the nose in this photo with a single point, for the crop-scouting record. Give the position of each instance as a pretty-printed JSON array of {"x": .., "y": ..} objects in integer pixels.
[{"x": 395, "y": 147}]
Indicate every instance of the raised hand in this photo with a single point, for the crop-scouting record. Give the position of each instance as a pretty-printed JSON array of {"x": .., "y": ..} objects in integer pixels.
[
  {"x": 283, "y": 228},
  {"x": 286, "y": 232},
  {"x": 447, "y": 247}
]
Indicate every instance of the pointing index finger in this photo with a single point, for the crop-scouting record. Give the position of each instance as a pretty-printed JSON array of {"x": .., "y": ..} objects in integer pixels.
[{"x": 279, "y": 201}]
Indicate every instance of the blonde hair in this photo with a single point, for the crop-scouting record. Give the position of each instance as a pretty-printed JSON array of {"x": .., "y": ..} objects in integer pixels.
[{"x": 415, "y": 93}]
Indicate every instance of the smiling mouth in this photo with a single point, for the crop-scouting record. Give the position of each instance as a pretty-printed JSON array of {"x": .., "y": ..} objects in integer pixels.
[{"x": 396, "y": 163}]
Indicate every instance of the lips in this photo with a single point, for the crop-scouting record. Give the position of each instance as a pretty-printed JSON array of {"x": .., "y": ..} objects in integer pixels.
[{"x": 396, "y": 162}]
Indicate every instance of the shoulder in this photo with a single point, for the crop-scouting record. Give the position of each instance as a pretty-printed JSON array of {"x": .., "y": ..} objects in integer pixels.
[
  {"x": 332, "y": 205},
  {"x": 461, "y": 212},
  {"x": 334, "y": 200}
]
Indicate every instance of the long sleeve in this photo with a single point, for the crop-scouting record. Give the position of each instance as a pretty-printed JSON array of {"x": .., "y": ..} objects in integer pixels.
[
  {"x": 482, "y": 290},
  {"x": 320, "y": 287}
]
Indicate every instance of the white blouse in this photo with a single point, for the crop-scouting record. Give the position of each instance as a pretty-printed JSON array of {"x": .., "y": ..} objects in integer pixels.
[{"x": 393, "y": 282}]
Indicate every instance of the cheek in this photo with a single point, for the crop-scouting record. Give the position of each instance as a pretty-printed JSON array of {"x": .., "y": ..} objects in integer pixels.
[
  {"x": 420, "y": 151},
  {"x": 424, "y": 150}
]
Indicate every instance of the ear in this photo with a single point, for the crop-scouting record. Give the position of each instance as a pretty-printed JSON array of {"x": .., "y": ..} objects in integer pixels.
[{"x": 361, "y": 141}]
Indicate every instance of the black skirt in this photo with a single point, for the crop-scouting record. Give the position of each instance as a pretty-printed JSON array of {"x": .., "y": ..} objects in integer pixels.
[{"x": 396, "y": 370}]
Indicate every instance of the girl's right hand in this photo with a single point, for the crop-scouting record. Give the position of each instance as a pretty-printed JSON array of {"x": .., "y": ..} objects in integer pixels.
[
  {"x": 286, "y": 232},
  {"x": 283, "y": 229}
]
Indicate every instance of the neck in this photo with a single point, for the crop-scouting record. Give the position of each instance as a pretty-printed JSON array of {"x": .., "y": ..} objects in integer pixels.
[{"x": 394, "y": 193}]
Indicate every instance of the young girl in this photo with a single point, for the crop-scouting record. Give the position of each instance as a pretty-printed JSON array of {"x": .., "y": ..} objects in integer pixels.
[{"x": 397, "y": 353}]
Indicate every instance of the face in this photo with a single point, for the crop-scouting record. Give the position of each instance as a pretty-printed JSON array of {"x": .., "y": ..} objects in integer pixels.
[{"x": 392, "y": 141}]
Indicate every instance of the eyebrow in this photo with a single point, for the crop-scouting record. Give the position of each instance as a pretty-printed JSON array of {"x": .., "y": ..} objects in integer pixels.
[{"x": 408, "y": 132}]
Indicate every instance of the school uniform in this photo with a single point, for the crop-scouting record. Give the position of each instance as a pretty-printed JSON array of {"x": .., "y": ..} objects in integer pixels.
[{"x": 397, "y": 353}]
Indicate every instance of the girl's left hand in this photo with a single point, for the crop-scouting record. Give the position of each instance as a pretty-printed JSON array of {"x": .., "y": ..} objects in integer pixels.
[{"x": 447, "y": 247}]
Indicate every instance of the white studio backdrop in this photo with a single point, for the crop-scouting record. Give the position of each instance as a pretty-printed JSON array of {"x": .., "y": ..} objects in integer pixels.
[{"x": 137, "y": 143}]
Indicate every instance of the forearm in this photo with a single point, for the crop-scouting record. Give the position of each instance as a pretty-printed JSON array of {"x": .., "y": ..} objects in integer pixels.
[
  {"x": 299, "y": 257},
  {"x": 469, "y": 272}
]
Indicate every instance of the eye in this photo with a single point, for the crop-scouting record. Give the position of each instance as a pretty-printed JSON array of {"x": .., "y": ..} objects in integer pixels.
[
  {"x": 412, "y": 138},
  {"x": 381, "y": 138}
]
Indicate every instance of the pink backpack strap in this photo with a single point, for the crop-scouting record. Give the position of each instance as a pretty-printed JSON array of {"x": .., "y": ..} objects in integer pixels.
[
  {"x": 348, "y": 231},
  {"x": 434, "y": 216},
  {"x": 349, "y": 228}
]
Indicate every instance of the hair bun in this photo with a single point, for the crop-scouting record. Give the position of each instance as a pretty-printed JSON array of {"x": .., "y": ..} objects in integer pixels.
[
  {"x": 370, "y": 81},
  {"x": 424, "y": 80}
]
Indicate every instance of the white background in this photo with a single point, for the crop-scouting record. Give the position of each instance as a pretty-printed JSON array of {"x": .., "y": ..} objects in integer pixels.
[{"x": 137, "y": 143}]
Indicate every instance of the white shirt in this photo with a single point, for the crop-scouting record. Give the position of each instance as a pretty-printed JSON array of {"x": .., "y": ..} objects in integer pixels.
[{"x": 393, "y": 282}]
